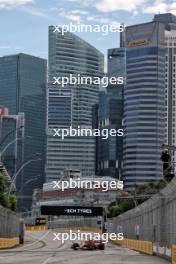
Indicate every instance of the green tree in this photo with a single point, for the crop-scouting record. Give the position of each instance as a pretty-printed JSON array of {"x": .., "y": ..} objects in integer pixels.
[
  {"x": 140, "y": 194},
  {"x": 2, "y": 183},
  {"x": 119, "y": 207},
  {"x": 12, "y": 202},
  {"x": 3, "y": 197},
  {"x": 8, "y": 201}
]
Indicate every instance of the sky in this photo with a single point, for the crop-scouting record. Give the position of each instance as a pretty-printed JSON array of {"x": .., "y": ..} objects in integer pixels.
[{"x": 24, "y": 23}]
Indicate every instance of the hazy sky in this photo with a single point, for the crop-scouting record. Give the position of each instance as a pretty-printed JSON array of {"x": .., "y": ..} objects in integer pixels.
[{"x": 24, "y": 23}]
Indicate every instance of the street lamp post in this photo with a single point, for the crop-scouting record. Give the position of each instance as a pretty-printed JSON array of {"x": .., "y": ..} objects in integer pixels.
[
  {"x": 9, "y": 144},
  {"x": 31, "y": 180},
  {"x": 6, "y": 136},
  {"x": 19, "y": 170},
  {"x": 22, "y": 187}
]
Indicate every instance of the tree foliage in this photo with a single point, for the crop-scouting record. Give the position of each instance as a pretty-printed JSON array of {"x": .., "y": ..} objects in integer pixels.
[
  {"x": 121, "y": 205},
  {"x": 8, "y": 201}
]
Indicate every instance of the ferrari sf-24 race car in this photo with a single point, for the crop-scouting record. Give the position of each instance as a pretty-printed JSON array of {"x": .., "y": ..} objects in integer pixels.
[{"x": 89, "y": 245}]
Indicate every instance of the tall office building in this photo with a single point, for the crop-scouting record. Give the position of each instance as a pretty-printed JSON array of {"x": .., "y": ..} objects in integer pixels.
[
  {"x": 12, "y": 142},
  {"x": 116, "y": 62},
  {"x": 169, "y": 22},
  {"x": 110, "y": 115},
  {"x": 23, "y": 89},
  {"x": 144, "y": 103},
  {"x": 71, "y": 105}
]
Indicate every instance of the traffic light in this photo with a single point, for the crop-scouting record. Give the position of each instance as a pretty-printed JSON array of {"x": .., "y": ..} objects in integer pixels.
[
  {"x": 165, "y": 157},
  {"x": 167, "y": 167}
]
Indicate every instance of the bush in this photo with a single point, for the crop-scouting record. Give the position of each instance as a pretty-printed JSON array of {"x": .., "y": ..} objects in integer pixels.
[{"x": 8, "y": 201}]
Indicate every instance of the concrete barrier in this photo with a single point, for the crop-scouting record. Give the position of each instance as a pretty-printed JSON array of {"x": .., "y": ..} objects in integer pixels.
[
  {"x": 137, "y": 245},
  {"x": 6, "y": 243},
  {"x": 85, "y": 229},
  {"x": 36, "y": 228},
  {"x": 174, "y": 254}
]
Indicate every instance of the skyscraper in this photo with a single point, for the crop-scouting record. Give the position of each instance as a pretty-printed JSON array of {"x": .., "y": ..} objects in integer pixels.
[
  {"x": 144, "y": 103},
  {"x": 23, "y": 89},
  {"x": 12, "y": 142},
  {"x": 169, "y": 22},
  {"x": 110, "y": 117},
  {"x": 71, "y": 105}
]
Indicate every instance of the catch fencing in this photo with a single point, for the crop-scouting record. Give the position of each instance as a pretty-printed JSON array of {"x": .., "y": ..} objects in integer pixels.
[
  {"x": 153, "y": 220},
  {"x": 9, "y": 228}
]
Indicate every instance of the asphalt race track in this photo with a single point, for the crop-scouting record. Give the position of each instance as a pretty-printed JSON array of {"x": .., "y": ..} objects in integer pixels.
[{"x": 40, "y": 248}]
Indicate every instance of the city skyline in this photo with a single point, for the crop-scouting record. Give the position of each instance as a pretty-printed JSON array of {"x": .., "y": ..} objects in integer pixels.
[
  {"x": 37, "y": 15},
  {"x": 87, "y": 131},
  {"x": 60, "y": 64}
]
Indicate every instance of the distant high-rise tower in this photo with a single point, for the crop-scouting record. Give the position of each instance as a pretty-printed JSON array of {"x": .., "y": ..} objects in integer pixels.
[
  {"x": 23, "y": 89},
  {"x": 169, "y": 22},
  {"x": 71, "y": 105},
  {"x": 110, "y": 115},
  {"x": 144, "y": 103},
  {"x": 12, "y": 143}
]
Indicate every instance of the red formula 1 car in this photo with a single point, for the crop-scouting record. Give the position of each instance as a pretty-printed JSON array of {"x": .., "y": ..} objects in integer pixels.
[{"x": 89, "y": 245}]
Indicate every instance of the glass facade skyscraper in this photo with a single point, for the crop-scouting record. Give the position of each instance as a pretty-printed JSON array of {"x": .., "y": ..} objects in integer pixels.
[
  {"x": 12, "y": 131},
  {"x": 110, "y": 115},
  {"x": 169, "y": 22},
  {"x": 116, "y": 62},
  {"x": 71, "y": 105},
  {"x": 23, "y": 89},
  {"x": 144, "y": 104}
]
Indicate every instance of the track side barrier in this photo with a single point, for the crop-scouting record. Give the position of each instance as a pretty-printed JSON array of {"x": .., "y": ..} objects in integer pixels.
[
  {"x": 62, "y": 229},
  {"x": 85, "y": 229},
  {"x": 6, "y": 243},
  {"x": 36, "y": 228},
  {"x": 174, "y": 254},
  {"x": 137, "y": 245}
]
